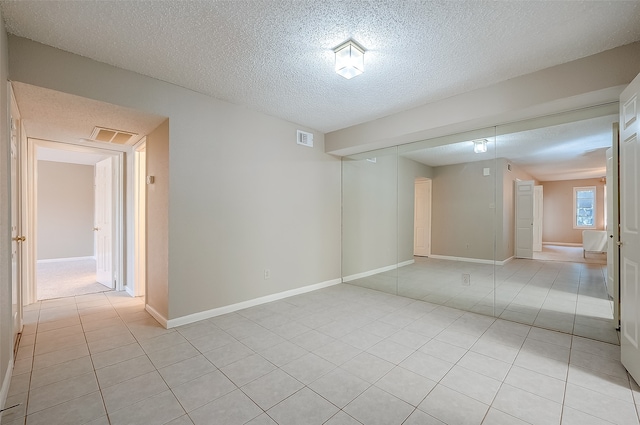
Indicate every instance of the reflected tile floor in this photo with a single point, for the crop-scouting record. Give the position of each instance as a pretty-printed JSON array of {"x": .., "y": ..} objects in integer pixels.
[
  {"x": 563, "y": 296},
  {"x": 340, "y": 355}
]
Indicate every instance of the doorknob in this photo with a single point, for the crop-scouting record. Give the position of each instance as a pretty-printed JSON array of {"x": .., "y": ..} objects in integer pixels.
[
  {"x": 20, "y": 238},
  {"x": 95, "y": 229}
]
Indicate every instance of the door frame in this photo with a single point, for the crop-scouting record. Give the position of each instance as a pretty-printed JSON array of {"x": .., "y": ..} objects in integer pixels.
[
  {"x": 139, "y": 173},
  {"x": 117, "y": 152},
  {"x": 517, "y": 184},
  {"x": 427, "y": 223}
]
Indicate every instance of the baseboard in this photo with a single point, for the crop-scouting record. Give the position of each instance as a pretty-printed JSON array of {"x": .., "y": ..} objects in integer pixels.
[
  {"x": 156, "y": 315},
  {"x": 562, "y": 244},
  {"x": 129, "y": 291},
  {"x": 59, "y": 260},
  {"x": 6, "y": 383},
  {"x": 503, "y": 262},
  {"x": 196, "y": 317},
  {"x": 368, "y": 273}
]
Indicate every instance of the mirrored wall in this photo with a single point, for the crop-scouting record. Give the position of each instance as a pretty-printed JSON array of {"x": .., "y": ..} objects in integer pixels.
[{"x": 483, "y": 221}]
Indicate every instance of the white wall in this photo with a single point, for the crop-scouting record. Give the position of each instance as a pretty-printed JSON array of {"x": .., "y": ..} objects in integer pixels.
[
  {"x": 584, "y": 82},
  {"x": 65, "y": 210},
  {"x": 243, "y": 197},
  {"x": 6, "y": 331}
]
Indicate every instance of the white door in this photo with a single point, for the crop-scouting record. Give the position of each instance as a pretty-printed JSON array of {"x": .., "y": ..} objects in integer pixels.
[
  {"x": 537, "y": 218},
  {"x": 16, "y": 238},
  {"x": 630, "y": 229},
  {"x": 422, "y": 218},
  {"x": 524, "y": 219},
  {"x": 104, "y": 222},
  {"x": 612, "y": 223}
]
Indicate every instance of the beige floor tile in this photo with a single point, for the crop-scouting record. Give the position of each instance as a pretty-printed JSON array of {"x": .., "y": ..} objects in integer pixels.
[
  {"x": 158, "y": 409},
  {"x": 133, "y": 390},
  {"x": 77, "y": 411}
]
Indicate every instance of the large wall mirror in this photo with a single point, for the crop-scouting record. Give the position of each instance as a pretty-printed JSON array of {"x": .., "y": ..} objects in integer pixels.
[{"x": 506, "y": 221}]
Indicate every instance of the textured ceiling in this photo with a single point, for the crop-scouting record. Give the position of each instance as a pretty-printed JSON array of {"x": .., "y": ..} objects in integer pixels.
[
  {"x": 574, "y": 150},
  {"x": 276, "y": 56},
  {"x": 61, "y": 117}
]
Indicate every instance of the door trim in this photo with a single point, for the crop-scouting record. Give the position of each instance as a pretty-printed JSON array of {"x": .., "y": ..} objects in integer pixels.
[{"x": 30, "y": 285}]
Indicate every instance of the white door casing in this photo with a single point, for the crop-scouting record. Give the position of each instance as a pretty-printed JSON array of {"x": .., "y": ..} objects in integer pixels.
[
  {"x": 630, "y": 229},
  {"x": 422, "y": 218},
  {"x": 17, "y": 238},
  {"x": 103, "y": 227},
  {"x": 538, "y": 207},
  {"x": 524, "y": 219},
  {"x": 613, "y": 224}
]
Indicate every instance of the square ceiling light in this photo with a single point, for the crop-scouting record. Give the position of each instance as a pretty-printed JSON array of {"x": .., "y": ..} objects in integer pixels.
[
  {"x": 480, "y": 146},
  {"x": 349, "y": 59}
]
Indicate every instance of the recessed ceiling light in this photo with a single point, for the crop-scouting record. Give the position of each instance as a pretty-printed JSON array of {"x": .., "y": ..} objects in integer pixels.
[{"x": 480, "y": 146}]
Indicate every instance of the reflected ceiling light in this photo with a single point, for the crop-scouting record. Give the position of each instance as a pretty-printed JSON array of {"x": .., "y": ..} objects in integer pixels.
[
  {"x": 349, "y": 59},
  {"x": 480, "y": 146}
]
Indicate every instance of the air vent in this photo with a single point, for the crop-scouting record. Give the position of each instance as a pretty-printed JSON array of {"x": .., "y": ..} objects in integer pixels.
[
  {"x": 305, "y": 139},
  {"x": 108, "y": 135}
]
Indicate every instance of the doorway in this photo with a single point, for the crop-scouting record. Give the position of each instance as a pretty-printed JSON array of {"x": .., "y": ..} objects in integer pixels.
[{"x": 75, "y": 220}]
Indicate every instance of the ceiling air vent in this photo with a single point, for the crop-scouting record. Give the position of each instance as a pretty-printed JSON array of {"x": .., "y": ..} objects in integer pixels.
[
  {"x": 108, "y": 135},
  {"x": 305, "y": 139}
]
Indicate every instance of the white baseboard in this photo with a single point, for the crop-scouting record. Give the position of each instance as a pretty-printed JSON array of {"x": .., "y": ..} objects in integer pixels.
[
  {"x": 4, "y": 391},
  {"x": 59, "y": 260},
  {"x": 562, "y": 244},
  {"x": 376, "y": 271},
  {"x": 129, "y": 290},
  {"x": 471, "y": 260},
  {"x": 159, "y": 317},
  {"x": 195, "y": 317}
]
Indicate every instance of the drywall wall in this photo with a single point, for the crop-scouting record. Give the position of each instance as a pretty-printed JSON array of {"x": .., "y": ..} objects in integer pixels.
[
  {"x": 408, "y": 171},
  {"x": 463, "y": 210},
  {"x": 6, "y": 339},
  {"x": 243, "y": 197},
  {"x": 584, "y": 82},
  {"x": 369, "y": 212},
  {"x": 157, "y": 220},
  {"x": 65, "y": 210},
  {"x": 557, "y": 224},
  {"x": 505, "y": 226}
]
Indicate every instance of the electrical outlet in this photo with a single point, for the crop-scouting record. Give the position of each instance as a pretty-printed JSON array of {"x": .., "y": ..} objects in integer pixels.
[
  {"x": 466, "y": 279},
  {"x": 267, "y": 274}
]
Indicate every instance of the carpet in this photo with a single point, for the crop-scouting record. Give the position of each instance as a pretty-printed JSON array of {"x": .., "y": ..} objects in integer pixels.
[{"x": 67, "y": 279}]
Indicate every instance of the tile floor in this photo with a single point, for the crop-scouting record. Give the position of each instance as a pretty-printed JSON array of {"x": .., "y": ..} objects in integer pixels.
[
  {"x": 564, "y": 296},
  {"x": 341, "y": 355}
]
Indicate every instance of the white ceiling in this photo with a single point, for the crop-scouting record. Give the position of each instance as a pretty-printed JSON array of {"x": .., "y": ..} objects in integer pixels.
[
  {"x": 61, "y": 117},
  {"x": 569, "y": 151},
  {"x": 276, "y": 56}
]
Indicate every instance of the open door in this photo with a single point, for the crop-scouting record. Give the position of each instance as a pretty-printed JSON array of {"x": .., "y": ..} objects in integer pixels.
[
  {"x": 524, "y": 218},
  {"x": 422, "y": 218},
  {"x": 104, "y": 222},
  {"x": 630, "y": 229}
]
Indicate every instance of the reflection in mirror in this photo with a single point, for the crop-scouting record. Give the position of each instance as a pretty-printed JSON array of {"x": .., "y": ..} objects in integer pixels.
[
  {"x": 558, "y": 277},
  {"x": 369, "y": 220},
  {"x": 446, "y": 194},
  {"x": 496, "y": 232}
]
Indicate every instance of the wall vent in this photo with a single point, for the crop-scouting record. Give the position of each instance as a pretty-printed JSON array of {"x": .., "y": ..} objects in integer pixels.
[
  {"x": 305, "y": 139},
  {"x": 109, "y": 135}
]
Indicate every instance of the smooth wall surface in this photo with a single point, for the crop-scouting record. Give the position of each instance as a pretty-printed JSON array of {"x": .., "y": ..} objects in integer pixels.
[
  {"x": 157, "y": 220},
  {"x": 558, "y": 212},
  {"x": 6, "y": 332},
  {"x": 243, "y": 197},
  {"x": 65, "y": 210},
  {"x": 463, "y": 212}
]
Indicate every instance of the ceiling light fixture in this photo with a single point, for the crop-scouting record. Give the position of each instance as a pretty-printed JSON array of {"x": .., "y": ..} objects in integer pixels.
[
  {"x": 349, "y": 59},
  {"x": 480, "y": 146}
]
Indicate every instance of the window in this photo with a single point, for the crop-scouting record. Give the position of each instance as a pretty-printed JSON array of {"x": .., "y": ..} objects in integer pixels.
[{"x": 584, "y": 207}]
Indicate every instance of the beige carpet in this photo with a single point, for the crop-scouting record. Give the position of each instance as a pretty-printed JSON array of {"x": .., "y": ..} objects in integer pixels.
[
  {"x": 67, "y": 278},
  {"x": 572, "y": 254}
]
